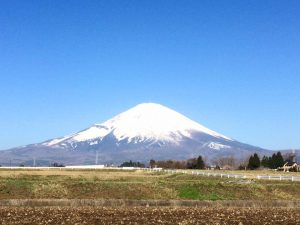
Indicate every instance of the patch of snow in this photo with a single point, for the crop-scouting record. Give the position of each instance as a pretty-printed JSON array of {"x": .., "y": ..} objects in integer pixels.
[
  {"x": 91, "y": 133},
  {"x": 93, "y": 143},
  {"x": 217, "y": 146},
  {"x": 55, "y": 141}
]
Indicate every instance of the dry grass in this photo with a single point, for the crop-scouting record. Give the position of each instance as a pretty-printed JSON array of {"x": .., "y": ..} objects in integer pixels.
[
  {"x": 50, "y": 190},
  {"x": 108, "y": 184},
  {"x": 100, "y": 174},
  {"x": 103, "y": 173}
]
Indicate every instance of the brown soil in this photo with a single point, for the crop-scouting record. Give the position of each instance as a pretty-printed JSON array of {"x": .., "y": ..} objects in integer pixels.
[{"x": 148, "y": 215}]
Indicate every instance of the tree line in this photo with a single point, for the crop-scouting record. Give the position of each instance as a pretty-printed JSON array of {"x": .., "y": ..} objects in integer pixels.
[
  {"x": 132, "y": 164},
  {"x": 272, "y": 162},
  {"x": 254, "y": 162},
  {"x": 194, "y": 163}
]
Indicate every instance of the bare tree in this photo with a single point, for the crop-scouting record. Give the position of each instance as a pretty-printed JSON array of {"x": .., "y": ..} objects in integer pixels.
[{"x": 226, "y": 162}]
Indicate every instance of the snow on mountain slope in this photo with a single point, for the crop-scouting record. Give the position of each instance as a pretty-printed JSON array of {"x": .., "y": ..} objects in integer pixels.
[
  {"x": 144, "y": 122},
  {"x": 216, "y": 146}
]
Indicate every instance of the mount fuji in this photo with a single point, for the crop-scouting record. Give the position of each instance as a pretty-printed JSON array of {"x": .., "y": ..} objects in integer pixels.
[{"x": 146, "y": 131}]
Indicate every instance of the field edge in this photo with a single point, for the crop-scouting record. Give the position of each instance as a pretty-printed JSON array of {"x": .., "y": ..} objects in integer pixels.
[{"x": 148, "y": 203}]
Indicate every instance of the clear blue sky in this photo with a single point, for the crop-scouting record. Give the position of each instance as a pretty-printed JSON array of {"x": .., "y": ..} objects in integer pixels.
[{"x": 233, "y": 66}]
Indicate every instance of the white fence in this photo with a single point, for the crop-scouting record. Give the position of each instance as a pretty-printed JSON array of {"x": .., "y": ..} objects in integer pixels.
[
  {"x": 226, "y": 175},
  {"x": 291, "y": 178},
  {"x": 222, "y": 175}
]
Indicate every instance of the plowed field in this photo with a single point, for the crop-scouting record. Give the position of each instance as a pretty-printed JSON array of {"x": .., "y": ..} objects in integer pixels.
[{"x": 148, "y": 215}]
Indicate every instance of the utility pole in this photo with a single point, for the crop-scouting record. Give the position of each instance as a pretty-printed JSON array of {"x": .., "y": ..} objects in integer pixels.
[{"x": 96, "y": 161}]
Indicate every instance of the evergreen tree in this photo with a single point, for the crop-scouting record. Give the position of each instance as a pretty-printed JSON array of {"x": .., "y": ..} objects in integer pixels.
[
  {"x": 276, "y": 161},
  {"x": 265, "y": 162},
  {"x": 254, "y": 162},
  {"x": 152, "y": 163},
  {"x": 280, "y": 160},
  {"x": 200, "y": 163},
  {"x": 250, "y": 163},
  {"x": 273, "y": 160}
]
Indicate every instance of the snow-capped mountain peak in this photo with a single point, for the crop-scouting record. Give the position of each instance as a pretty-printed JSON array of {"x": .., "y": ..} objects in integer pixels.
[{"x": 144, "y": 122}]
